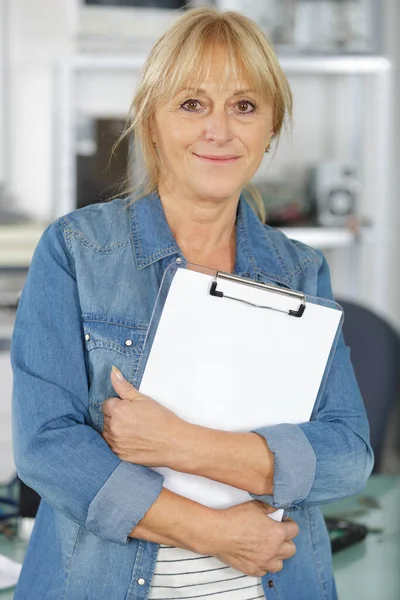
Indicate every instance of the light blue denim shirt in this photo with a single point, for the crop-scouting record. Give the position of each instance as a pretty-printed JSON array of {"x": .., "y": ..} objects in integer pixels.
[{"x": 91, "y": 287}]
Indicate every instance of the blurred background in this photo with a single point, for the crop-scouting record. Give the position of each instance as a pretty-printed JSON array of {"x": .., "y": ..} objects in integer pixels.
[{"x": 68, "y": 70}]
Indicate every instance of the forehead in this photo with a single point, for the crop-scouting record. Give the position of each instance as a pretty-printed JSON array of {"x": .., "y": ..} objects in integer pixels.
[
  {"x": 212, "y": 67},
  {"x": 221, "y": 70}
]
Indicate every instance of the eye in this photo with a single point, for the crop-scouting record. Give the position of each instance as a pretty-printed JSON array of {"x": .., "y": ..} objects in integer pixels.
[
  {"x": 245, "y": 107},
  {"x": 190, "y": 105}
]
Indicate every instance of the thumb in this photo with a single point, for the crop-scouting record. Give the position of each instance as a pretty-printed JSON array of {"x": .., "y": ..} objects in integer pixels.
[{"x": 123, "y": 387}]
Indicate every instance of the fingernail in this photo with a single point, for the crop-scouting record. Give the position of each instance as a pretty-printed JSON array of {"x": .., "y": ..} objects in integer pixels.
[{"x": 117, "y": 373}]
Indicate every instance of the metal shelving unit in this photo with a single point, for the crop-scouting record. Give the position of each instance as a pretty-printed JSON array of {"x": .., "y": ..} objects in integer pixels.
[
  {"x": 302, "y": 65},
  {"x": 326, "y": 237},
  {"x": 377, "y": 67}
]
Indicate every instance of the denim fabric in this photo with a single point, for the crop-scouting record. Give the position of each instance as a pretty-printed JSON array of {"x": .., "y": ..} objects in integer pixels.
[{"x": 91, "y": 287}]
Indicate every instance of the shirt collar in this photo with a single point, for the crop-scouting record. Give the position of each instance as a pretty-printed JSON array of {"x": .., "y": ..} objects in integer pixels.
[
  {"x": 153, "y": 239},
  {"x": 257, "y": 256}
]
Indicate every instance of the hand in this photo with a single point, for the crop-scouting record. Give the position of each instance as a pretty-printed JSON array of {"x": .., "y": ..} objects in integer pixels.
[
  {"x": 249, "y": 541},
  {"x": 137, "y": 428}
]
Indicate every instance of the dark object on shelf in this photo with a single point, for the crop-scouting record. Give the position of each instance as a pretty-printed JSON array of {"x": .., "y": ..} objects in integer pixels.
[
  {"x": 9, "y": 509},
  {"x": 28, "y": 501},
  {"x": 137, "y": 3},
  {"x": 100, "y": 171},
  {"x": 284, "y": 203},
  {"x": 343, "y": 534},
  {"x": 375, "y": 354},
  {"x": 334, "y": 190}
]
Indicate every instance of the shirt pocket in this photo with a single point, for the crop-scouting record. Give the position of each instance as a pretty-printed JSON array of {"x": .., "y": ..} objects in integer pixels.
[{"x": 110, "y": 341}]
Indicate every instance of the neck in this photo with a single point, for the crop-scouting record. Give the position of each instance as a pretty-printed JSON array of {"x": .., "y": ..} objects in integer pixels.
[{"x": 204, "y": 229}]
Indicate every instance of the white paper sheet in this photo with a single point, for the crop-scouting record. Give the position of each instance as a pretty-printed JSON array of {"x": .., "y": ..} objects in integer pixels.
[
  {"x": 9, "y": 572},
  {"x": 222, "y": 364}
]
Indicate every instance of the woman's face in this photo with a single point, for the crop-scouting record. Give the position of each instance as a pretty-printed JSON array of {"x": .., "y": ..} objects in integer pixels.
[{"x": 211, "y": 141}]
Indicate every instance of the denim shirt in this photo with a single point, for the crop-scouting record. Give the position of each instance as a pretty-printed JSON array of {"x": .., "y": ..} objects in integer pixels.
[{"x": 86, "y": 305}]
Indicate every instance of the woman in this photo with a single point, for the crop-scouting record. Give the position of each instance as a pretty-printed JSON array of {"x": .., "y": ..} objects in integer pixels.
[{"x": 211, "y": 99}]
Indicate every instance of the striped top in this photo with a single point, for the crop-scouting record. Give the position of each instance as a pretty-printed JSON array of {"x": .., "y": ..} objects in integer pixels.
[{"x": 181, "y": 574}]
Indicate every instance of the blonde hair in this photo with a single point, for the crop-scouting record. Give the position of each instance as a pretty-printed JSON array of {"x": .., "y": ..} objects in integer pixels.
[{"x": 181, "y": 58}]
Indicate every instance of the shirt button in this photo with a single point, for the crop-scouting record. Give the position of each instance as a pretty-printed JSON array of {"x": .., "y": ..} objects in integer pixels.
[
  {"x": 270, "y": 583},
  {"x": 87, "y": 337},
  {"x": 128, "y": 343},
  {"x": 179, "y": 260},
  {"x": 141, "y": 581}
]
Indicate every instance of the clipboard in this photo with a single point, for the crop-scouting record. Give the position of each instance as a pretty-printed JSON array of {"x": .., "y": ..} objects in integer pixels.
[{"x": 230, "y": 353}]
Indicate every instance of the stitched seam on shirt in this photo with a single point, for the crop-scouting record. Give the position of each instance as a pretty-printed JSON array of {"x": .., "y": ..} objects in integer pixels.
[
  {"x": 279, "y": 257},
  {"x": 85, "y": 241},
  {"x": 70, "y": 562},
  {"x": 136, "y": 569},
  {"x": 136, "y": 235},
  {"x": 150, "y": 258},
  {"x": 89, "y": 318},
  {"x": 112, "y": 346},
  {"x": 141, "y": 260},
  {"x": 108, "y": 249},
  {"x": 66, "y": 232},
  {"x": 241, "y": 229},
  {"x": 273, "y": 277},
  {"x": 311, "y": 530},
  {"x": 304, "y": 262}
]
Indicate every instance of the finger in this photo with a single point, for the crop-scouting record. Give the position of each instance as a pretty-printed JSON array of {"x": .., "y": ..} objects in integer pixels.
[
  {"x": 291, "y": 529},
  {"x": 123, "y": 387},
  {"x": 288, "y": 550},
  {"x": 274, "y": 566},
  {"x": 106, "y": 426},
  {"x": 109, "y": 405}
]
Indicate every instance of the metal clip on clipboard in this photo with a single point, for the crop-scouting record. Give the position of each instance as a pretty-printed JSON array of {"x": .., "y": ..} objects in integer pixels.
[{"x": 264, "y": 286}]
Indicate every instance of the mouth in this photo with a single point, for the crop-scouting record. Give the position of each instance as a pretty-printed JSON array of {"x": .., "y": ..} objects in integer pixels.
[{"x": 217, "y": 159}]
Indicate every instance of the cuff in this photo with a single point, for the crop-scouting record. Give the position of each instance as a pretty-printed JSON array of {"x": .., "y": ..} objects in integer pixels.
[
  {"x": 294, "y": 465},
  {"x": 123, "y": 501}
]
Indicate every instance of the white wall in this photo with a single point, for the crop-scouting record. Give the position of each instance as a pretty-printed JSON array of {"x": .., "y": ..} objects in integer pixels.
[
  {"x": 7, "y": 468},
  {"x": 3, "y": 133},
  {"x": 39, "y": 33},
  {"x": 392, "y": 40}
]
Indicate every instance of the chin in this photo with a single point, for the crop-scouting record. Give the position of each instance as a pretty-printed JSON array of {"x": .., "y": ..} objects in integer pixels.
[{"x": 219, "y": 195}]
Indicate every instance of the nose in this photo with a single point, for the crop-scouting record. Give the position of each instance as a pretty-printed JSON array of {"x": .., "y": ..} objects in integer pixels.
[{"x": 218, "y": 128}]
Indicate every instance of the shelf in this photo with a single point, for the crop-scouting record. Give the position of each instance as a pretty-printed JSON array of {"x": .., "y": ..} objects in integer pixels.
[
  {"x": 356, "y": 65},
  {"x": 302, "y": 65},
  {"x": 322, "y": 237},
  {"x": 18, "y": 242}
]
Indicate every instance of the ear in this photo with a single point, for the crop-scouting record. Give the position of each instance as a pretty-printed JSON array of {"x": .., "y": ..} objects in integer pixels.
[{"x": 153, "y": 129}]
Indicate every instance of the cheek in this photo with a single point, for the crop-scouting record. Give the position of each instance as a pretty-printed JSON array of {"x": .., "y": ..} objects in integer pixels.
[
  {"x": 255, "y": 148},
  {"x": 254, "y": 137},
  {"x": 177, "y": 134}
]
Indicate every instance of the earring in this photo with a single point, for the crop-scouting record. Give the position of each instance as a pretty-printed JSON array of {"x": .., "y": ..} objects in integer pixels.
[{"x": 268, "y": 148}]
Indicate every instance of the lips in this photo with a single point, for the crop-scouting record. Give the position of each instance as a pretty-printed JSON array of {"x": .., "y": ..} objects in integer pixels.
[{"x": 217, "y": 158}]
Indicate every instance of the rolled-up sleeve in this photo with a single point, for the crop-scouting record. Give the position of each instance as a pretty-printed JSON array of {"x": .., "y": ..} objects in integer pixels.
[
  {"x": 329, "y": 457},
  {"x": 56, "y": 450}
]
